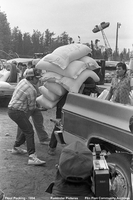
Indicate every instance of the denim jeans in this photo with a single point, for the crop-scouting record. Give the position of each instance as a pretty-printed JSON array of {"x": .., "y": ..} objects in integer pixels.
[
  {"x": 60, "y": 104},
  {"x": 21, "y": 119},
  {"x": 53, "y": 140},
  {"x": 37, "y": 119}
]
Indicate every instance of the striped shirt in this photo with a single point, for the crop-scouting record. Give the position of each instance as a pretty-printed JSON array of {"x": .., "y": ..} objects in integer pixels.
[{"x": 24, "y": 96}]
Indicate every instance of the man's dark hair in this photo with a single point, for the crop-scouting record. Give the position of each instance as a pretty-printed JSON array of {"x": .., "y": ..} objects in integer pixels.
[
  {"x": 30, "y": 63},
  {"x": 123, "y": 65}
]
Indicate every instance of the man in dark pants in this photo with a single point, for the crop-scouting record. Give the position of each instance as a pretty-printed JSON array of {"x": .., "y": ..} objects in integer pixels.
[
  {"x": 53, "y": 142},
  {"x": 23, "y": 101},
  {"x": 37, "y": 117}
]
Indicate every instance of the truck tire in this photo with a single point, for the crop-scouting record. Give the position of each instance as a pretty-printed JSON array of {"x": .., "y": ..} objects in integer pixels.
[{"x": 121, "y": 184}]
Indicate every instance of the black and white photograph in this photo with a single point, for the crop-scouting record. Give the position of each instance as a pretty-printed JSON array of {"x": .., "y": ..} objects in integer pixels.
[{"x": 66, "y": 100}]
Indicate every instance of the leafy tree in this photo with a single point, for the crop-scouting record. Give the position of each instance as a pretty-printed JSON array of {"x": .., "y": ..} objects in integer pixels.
[
  {"x": 48, "y": 40},
  {"x": 16, "y": 40},
  {"x": 5, "y": 34},
  {"x": 54, "y": 44},
  {"x": 42, "y": 42},
  {"x": 64, "y": 38},
  {"x": 124, "y": 55},
  {"x": 27, "y": 45},
  {"x": 35, "y": 38},
  {"x": 20, "y": 43},
  {"x": 96, "y": 51}
]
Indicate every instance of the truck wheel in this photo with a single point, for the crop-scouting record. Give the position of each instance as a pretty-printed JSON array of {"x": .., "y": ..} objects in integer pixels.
[{"x": 121, "y": 183}]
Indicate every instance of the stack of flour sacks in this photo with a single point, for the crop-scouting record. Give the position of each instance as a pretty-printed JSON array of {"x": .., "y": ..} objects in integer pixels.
[{"x": 66, "y": 68}]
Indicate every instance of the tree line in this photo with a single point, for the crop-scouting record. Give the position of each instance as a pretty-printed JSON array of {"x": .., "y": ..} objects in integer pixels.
[{"x": 14, "y": 43}]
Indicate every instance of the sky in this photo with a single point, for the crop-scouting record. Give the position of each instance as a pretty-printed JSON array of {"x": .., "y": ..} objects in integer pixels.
[{"x": 75, "y": 17}]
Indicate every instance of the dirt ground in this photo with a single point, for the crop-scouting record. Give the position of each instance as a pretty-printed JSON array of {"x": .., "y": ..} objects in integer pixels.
[{"x": 18, "y": 180}]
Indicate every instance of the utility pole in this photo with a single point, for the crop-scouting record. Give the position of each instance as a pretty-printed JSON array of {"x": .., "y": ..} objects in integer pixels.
[{"x": 116, "y": 47}]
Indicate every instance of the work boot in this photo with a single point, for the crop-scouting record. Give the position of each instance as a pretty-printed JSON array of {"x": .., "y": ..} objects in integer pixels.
[{"x": 51, "y": 151}]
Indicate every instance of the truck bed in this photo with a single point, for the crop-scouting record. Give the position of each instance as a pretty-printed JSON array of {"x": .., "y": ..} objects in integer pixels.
[{"x": 88, "y": 118}]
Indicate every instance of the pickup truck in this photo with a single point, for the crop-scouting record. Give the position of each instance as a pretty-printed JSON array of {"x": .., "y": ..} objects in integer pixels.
[{"x": 96, "y": 121}]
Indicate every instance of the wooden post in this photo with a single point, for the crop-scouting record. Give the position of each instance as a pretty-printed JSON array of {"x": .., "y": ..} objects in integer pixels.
[{"x": 116, "y": 47}]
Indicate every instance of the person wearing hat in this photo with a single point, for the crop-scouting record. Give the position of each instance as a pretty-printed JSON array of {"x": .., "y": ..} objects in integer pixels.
[
  {"x": 24, "y": 100},
  {"x": 74, "y": 172},
  {"x": 37, "y": 116}
]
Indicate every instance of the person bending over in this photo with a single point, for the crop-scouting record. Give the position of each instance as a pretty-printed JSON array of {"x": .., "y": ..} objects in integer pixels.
[{"x": 24, "y": 100}]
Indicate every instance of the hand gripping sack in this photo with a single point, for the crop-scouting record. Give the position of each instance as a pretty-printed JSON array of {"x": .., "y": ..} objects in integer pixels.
[{"x": 76, "y": 162}]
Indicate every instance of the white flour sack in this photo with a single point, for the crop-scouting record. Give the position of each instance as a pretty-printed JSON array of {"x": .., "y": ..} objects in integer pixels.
[
  {"x": 45, "y": 103},
  {"x": 55, "y": 88},
  {"x": 90, "y": 62},
  {"x": 52, "y": 76},
  {"x": 48, "y": 94},
  {"x": 72, "y": 70},
  {"x": 63, "y": 55},
  {"x": 73, "y": 85}
]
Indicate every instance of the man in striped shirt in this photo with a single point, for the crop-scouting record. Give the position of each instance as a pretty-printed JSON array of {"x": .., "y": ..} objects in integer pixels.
[{"x": 22, "y": 102}]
